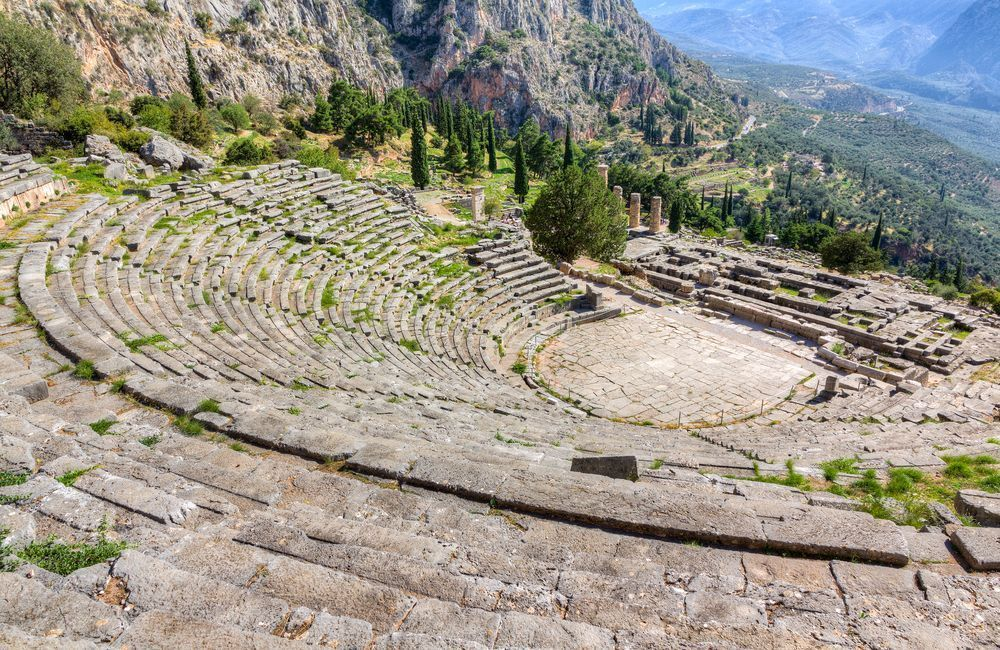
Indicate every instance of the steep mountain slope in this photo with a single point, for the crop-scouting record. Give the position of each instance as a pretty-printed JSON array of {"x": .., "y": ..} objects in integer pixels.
[
  {"x": 969, "y": 47},
  {"x": 847, "y": 36},
  {"x": 579, "y": 56}
]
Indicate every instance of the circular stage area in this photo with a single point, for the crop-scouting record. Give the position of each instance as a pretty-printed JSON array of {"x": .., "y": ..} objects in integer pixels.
[{"x": 652, "y": 368}]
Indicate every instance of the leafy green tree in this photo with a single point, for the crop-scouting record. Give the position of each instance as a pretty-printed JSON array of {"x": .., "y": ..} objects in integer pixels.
[
  {"x": 850, "y": 253},
  {"x": 195, "y": 84},
  {"x": 568, "y": 145},
  {"x": 576, "y": 214},
  {"x": 419, "y": 170},
  {"x": 37, "y": 71},
  {"x": 520, "y": 172},
  {"x": 491, "y": 145}
]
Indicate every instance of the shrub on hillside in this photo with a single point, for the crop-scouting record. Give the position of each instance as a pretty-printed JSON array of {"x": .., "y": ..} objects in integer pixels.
[
  {"x": 329, "y": 158},
  {"x": 248, "y": 151},
  {"x": 191, "y": 126},
  {"x": 235, "y": 116}
]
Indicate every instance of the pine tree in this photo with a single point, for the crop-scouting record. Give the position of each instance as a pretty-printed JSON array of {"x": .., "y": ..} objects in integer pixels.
[
  {"x": 473, "y": 151},
  {"x": 877, "y": 236},
  {"x": 959, "y": 278},
  {"x": 568, "y": 145},
  {"x": 195, "y": 83},
  {"x": 675, "y": 216},
  {"x": 419, "y": 170},
  {"x": 491, "y": 145},
  {"x": 322, "y": 119},
  {"x": 520, "y": 173}
]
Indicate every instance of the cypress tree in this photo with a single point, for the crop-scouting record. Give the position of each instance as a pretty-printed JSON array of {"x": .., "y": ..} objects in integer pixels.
[
  {"x": 491, "y": 145},
  {"x": 195, "y": 83},
  {"x": 473, "y": 152},
  {"x": 675, "y": 135},
  {"x": 959, "y": 278},
  {"x": 568, "y": 144},
  {"x": 877, "y": 236},
  {"x": 453, "y": 159},
  {"x": 419, "y": 170},
  {"x": 788, "y": 185},
  {"x": 675, "y": 216},
  {"x": 864, "y": 176},
  {"x": 520, "y": 173},
  {"x": 703, "y": 198}
]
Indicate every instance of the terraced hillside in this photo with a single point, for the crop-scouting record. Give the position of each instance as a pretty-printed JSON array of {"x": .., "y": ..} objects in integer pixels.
[{"x": 273, "y": 408}]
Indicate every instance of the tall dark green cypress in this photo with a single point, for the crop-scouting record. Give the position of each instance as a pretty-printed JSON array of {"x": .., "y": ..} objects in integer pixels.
[
  {"x": 788, "y": 185},
  {"x": 520, "y": 172},
  {"x": 675, "y": 216},
  {"x": 877, "y": 235},
  {"x": 419, "y": 170},
  {"x": 568, "y": 160},
  {"x": 491, "y": 145},
  {"x": 473, "y": 152},
  {"x": 195, "y": 84},
  {"x": 703, "y": 198},
  {"x": 959, "y": 279}
]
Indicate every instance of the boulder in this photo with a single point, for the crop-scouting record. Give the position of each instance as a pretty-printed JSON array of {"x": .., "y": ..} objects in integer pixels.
[
  {"x": 115, "y": 171},
  {"x": 100, "y": 146},
  {"x": 160, "y": 152}
]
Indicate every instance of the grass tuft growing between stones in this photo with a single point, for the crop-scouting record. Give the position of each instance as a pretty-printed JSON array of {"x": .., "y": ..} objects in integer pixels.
[
  {"x": 8, "y": 479},
  {"x": 208, "y": 406},
  {"x": 834, "y": 468},
  {"x": 102, "y": 426},
  {"x": 63, "y": 559},
  {"x": 791, "y": 479},
  {"x": 150, "y": 441},
  {"x": 84, "y": 369},
  {"x": 188, "y": 426},
  {"x": 69, "y": 478}
]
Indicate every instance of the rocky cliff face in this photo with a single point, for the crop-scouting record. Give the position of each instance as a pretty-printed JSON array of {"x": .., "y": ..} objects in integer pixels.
[{"x": 545, "y": 58}]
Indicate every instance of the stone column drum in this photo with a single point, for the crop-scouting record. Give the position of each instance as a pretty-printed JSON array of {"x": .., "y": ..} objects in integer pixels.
[
  {"x": 478, "y": 202},
  {"x": 633, "y": 210},
  {"x": 618, "y": 191},
  {"x": 655, "y": 208},
  {"x": 603, "y": 171}
]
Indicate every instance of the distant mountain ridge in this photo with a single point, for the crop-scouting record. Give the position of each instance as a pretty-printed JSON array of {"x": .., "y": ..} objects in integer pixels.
[
  {"x": 969, "y": 46},
  {"x": 847, "y": 36}
]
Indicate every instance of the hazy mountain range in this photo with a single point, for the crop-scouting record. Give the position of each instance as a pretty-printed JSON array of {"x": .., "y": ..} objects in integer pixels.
[
  {"x": 854, "y": 35},
  {"x": 943, "y": 49}
]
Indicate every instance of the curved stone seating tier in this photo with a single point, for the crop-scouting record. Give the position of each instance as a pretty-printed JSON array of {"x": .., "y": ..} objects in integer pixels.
[
  {"x": 25, "y": 185},
  {"x": 231, "y": 281},
  {"x": 270, "y": 551}
]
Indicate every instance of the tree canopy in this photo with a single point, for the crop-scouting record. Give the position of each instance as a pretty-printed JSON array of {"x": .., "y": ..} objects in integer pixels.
[
  {"x": 576, "y": 214},
  {"x": 850, "y": 253},
  {"x": 37, "y": 72}
]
